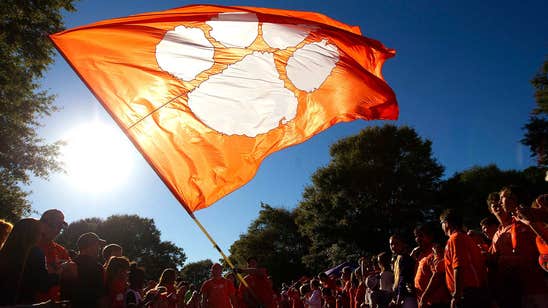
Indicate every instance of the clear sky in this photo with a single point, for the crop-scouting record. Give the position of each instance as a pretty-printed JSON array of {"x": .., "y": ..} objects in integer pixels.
[{"x": 461, "y": 76}]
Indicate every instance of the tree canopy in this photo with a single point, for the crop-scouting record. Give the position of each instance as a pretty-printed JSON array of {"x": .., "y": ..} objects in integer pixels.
[
  {"x": 536, "y": 130},
  {"x": 25, "y": 53},
  {"x": 197, "y": 272},
  {"x": 274, "y": 239},
  {"x": 380, "y": 181},
  {"x": 138, "y": 236}
]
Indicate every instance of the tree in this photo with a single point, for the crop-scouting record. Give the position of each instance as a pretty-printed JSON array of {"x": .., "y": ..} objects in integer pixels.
[
  {"x": 380, "y": 181},
  {"x": 274, "y": 239},
  {"x": 197, "y": 272},
  {"x": 468, "y": 190},
  {"x": 536, "y": 135},
  {"x": 25, "y": 53},
  {"x": 138, "y": 236}
]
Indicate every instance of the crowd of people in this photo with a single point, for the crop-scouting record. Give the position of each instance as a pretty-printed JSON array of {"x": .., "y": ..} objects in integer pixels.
[{"x": 503, "y": 265}]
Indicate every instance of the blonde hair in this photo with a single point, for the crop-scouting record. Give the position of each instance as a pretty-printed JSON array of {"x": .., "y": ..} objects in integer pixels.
[{"x": 5, "y": 229}]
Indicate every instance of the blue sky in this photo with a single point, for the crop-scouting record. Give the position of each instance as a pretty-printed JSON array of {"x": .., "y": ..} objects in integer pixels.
[{"x": 461, "y": 76}]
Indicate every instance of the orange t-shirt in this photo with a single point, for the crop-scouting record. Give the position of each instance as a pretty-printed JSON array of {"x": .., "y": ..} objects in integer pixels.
[
  {"x": 521, "y": 260},
  {"x": 261, "y": 287},
  {"x": 55, "y": 255},
  {"x": 462, "y": 252},
  {"x": 423, "y": 275},
  {"x": 359, "y": 296},
  {"x": 439, "y": 294},
  {"x": 217, "y": 292}
]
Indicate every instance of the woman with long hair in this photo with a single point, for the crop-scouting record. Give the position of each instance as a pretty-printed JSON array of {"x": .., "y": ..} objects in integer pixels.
[{"x": 16, "y": 258}]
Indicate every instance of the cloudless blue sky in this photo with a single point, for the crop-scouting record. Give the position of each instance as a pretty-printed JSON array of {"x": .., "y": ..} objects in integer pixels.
[{"x": 461, "y": 75}]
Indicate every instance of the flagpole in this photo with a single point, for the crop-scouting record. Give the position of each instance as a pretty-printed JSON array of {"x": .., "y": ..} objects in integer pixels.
[{"x": 240, "y": 278}]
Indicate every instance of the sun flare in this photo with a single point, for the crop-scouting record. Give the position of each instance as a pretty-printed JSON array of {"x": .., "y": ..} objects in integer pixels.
[{"x": 97, "y": 157}]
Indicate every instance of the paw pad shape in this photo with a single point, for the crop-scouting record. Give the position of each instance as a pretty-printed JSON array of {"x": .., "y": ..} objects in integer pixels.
[{"x": 244, "y": 75}]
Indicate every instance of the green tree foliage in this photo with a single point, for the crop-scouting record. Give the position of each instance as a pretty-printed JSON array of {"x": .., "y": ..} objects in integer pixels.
[
  {"x": 197, "y": 272},
  {"x": 380, "y": 181},
  {"x": 536, "y": 135},
  {"x": 25, "y": 52},
  {"x": 138, "y": 236},
  {"x": 274, "y": 239},
  {"x": 468, "y": 190}
]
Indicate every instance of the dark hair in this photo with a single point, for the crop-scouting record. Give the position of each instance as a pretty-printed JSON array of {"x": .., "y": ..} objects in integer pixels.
[
  {"x": 426, "y": 229},
  {"x": 452, "y": 218},
  {"x": 523, "y": 197},
  {"x": 384, "y": 259},
  {"x": 114, "y": 267},
  {"x": 109, "y": 249},
  {"x": 168, "y": 276},
  {"x": 493, "y": 197},
  {"x": 13, "y": 256}
]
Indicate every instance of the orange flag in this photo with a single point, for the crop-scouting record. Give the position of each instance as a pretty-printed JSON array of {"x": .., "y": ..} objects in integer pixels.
[{"x": 207, "y": 92}]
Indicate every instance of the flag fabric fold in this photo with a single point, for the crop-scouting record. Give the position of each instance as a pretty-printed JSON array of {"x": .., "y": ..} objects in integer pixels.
[{"x": 207, "y": 92}]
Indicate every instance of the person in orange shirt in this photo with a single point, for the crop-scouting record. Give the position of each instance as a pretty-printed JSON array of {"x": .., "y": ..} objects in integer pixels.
[
  {"x": 53, "y": 221},
  {"x": 465, "y": 271},
  {"x": 519, "y": 280},
  {"x": 218, "y": 292},
  {"x": 423, "y": 274},
  {"x": 435, "y": 294},
  {"x": 260, "y": 287}
]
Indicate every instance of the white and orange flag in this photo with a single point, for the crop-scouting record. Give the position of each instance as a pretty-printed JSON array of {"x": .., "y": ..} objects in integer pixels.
[{"x": 207, "y": 92}]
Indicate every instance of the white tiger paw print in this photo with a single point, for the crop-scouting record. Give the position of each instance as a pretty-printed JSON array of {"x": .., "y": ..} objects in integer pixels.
[{"x": 244, "y": 75}]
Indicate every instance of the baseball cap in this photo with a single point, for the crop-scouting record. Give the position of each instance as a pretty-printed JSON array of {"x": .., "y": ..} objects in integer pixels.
[{"x": 87, "y": 239}]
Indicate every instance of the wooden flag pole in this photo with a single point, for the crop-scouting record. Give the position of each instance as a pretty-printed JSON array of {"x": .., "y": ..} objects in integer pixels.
[{"x": 240, "y": 278}]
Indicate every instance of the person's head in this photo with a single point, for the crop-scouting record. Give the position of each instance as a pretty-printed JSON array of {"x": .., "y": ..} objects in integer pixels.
[
  {"x": 304, "y": 289},
  {"x": 513, "y": 196},
  {"x": 323, "y": 277},
  {"x": 397, "y": 244},
  {"x": 423, "y": 235},
  {"x": 384, "y": 260},
  {"x": 489, "y": 225},
  {"x": 112, "y": 250},
  {"x": 314, "y": 284},
  {"x": 450, "y": 221},
  {"x": 25, "y": 234},
  {"x": 89, "y": 244},
  {"x": 216, "y": 270},
  {"x": 252, "y": 262},
  {"x": 5, "y": 229},
  {"x": 136, "y": 277},
  {"x": 495, "y": 207},
  {"x": 53, "y": 222},
  {"x": 117, "y": 271},
  {"x": 346, "y": 273},
  {"x": 168, "y": 277}
]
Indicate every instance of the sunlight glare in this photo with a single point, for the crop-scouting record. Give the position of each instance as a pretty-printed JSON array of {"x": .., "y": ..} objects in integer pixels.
[{"x": 97, "y": 157}]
